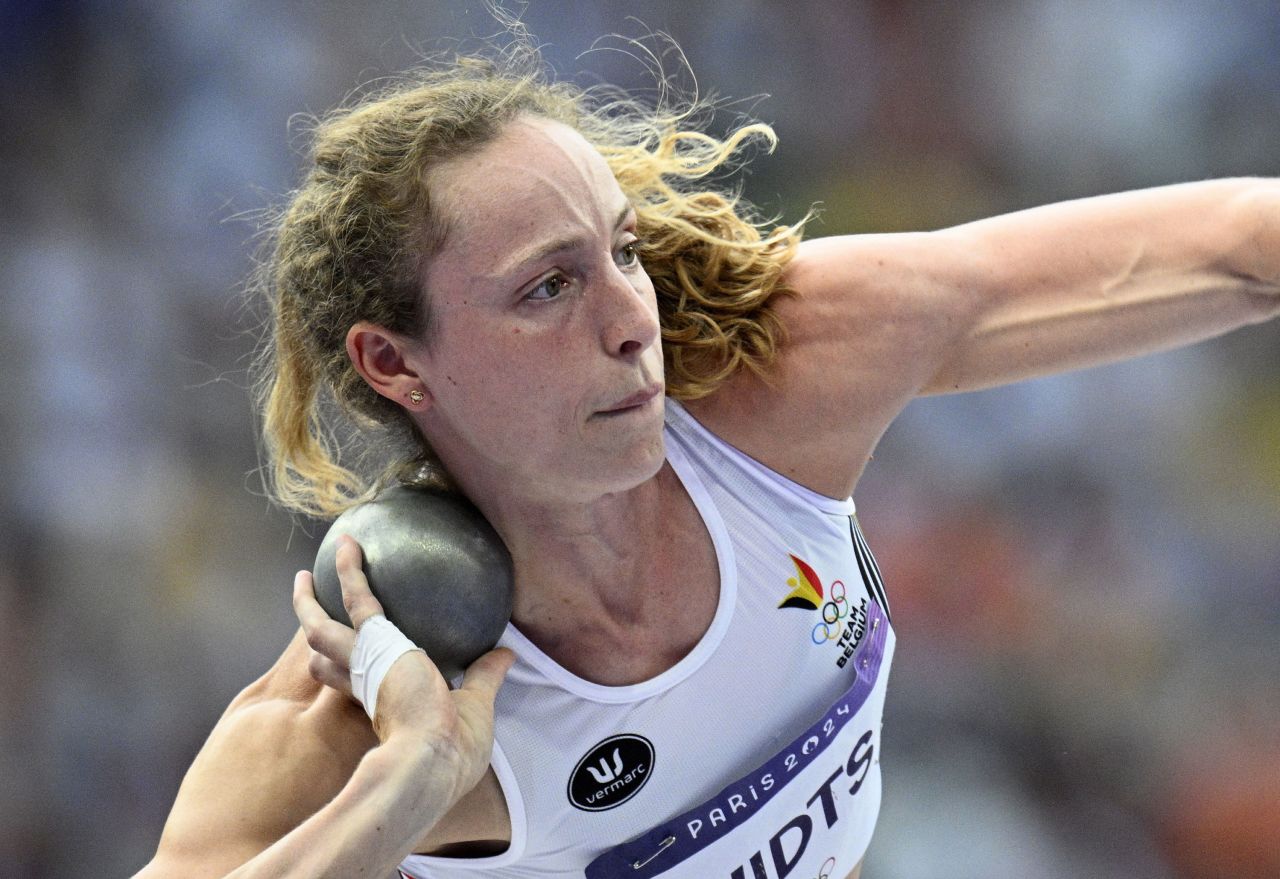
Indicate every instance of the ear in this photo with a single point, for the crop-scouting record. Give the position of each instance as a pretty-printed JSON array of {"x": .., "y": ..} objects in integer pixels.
[{"x": 384, "y": 361}]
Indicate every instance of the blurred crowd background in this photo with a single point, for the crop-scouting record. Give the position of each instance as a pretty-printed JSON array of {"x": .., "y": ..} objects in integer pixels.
[{"x": 1085, "y": 570}]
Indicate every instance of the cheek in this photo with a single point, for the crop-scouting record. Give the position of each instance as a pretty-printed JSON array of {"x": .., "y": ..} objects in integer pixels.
[
  {"x": 644, "y": 285},
  {"x": 642, "y": 282},
  {"x": 500, "y": 371}
]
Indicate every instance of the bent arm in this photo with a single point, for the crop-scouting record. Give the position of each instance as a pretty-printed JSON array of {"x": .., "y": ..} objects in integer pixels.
[
  {"x": 292, "y": 782},
  {"x": 396, "y": 793},
  {"x": 1095, "y": 280}
]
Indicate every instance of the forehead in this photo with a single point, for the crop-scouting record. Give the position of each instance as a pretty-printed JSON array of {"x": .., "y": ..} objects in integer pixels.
[{"x": 537, "y": 179}]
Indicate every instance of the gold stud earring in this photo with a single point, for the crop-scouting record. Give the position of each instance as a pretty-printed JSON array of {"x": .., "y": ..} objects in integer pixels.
[{"x": 416, "y": 396}]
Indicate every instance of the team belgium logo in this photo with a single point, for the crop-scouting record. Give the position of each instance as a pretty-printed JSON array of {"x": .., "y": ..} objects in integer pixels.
[{"x": 838, "y": 620}]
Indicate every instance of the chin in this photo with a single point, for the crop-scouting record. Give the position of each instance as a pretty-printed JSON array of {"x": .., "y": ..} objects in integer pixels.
[{"x": 639, "y": 464}]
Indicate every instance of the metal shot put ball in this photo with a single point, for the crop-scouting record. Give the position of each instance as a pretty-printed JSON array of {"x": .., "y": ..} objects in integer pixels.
[{"x": 441, "y": 572}]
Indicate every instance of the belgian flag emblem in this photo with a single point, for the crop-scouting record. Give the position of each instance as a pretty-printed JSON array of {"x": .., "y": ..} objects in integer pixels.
[{"x": 806, "y": 588}]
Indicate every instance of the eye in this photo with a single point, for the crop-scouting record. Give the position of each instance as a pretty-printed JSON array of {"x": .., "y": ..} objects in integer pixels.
[
  {"x": 629, "y": 254},
  {"x": 551, "y": 288}
]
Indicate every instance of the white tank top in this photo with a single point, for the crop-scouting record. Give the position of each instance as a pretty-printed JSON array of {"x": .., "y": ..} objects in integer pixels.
[{"x": 754, "y": 757}]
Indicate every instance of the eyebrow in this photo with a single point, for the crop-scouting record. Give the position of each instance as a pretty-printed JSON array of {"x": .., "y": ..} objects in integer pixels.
[{"x": 558, "y": 245}]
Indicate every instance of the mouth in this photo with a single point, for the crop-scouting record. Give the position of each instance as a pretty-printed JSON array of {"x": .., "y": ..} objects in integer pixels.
[{"x": 636, "y": 402}]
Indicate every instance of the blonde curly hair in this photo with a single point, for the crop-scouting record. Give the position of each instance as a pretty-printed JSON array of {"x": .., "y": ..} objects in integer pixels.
[{"x": 354, "y": 237}]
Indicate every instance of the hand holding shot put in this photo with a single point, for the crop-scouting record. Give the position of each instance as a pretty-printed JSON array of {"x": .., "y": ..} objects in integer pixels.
[{"x": 409, "y": 695}]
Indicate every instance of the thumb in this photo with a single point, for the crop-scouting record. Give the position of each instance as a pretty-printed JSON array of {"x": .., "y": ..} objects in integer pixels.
[{"x": 486, "y": 674}]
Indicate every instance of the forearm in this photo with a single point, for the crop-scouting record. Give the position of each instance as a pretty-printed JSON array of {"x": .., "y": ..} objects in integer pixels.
[
  {"x": 396, "y": 794},
  {"x": 1089, "y": 282}
]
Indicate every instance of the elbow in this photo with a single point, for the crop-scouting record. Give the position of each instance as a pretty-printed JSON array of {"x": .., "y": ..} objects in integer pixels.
[
  {"x": 1261, "y": 298},
  {"x": 1254, "y": 260},
  {"x": 1260, "y": 305},
  {"x": 1269, "y": 304}
]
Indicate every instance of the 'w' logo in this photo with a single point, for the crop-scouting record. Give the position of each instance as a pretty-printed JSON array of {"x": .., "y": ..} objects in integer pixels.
[{"x": 605, "y": 774}]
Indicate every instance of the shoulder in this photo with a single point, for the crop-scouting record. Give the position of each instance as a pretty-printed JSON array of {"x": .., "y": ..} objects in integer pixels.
[
  {"x": 896, "y": 286},
  {"x": 863, "y": 328},
  {"x": 282, "y": 749}
]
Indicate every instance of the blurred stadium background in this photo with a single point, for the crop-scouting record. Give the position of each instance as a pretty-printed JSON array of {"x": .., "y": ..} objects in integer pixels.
[{"x": 1085, "y": 570}]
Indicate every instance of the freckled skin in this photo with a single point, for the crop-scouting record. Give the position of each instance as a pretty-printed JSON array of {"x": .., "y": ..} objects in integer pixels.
[{"x": 527, "y": 378}]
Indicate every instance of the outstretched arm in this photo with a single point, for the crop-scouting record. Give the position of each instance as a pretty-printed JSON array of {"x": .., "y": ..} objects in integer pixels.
[
  {"x": 1095, "y": 280},
  {"x": 881, "y": 319},
  {"x": 1079, "y": 283}
]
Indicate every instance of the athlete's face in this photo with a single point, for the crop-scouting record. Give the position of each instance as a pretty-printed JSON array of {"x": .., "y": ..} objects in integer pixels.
[{"x": 543, "y": 319}]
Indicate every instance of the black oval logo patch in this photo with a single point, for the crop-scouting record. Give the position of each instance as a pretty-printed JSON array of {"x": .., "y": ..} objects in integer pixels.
[{"x": 611, "y": 773}]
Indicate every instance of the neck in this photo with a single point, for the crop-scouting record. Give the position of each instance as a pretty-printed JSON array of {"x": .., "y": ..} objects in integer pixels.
[{"x": 579, "y": 560}]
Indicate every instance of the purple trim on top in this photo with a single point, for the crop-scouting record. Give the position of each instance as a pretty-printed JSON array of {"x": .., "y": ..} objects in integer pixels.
[{"x": 655, "y": 857}]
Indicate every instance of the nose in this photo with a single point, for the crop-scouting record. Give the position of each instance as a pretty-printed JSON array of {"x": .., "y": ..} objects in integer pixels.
[{"x": 630, "y": 316}]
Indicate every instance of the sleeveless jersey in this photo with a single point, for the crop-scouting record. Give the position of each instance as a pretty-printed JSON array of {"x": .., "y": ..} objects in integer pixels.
[{"x": 756, "y": 756}]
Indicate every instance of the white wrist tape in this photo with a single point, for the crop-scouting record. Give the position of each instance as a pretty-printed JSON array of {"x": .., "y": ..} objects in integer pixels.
[{"x": 378, "y": 645}]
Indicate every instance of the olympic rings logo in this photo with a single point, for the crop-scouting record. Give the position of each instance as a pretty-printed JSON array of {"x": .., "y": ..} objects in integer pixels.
[{"x": 833, "y": 611}]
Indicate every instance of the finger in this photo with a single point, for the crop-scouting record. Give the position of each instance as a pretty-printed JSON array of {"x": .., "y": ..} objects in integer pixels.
[
  {"x": 324, "y": 635},
  {"x": 329, "y": 673},
  {"x": 487, "y": 673},
  {"x": 356, "y": 595},
  {"x": 304, "y": 597}
]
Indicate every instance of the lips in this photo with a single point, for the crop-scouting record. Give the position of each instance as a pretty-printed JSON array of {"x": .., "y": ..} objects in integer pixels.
[{"x": 636, "y": 399}]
